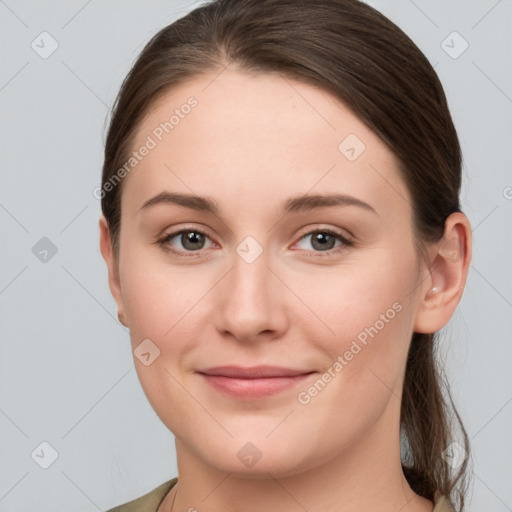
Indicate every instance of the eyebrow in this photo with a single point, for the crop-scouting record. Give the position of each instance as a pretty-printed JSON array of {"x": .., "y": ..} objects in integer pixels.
[{"x": 293, "y": 204}]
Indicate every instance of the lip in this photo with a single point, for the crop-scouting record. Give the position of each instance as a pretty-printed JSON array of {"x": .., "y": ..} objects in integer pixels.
[
  {"x": 252, "y": 372},
  {"x": 253, "y": 382}
]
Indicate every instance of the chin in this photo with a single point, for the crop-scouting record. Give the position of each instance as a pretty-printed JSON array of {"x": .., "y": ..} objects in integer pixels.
[{"x": 248, "y": 459}]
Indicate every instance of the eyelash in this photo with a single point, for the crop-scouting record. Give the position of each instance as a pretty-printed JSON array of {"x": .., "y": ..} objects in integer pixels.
[{"x": 321, "y": 254}]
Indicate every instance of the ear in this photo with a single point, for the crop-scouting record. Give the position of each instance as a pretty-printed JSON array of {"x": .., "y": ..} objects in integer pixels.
[
  {"x": 113, "y": 269},
  {"x": 442, "y": 290}
]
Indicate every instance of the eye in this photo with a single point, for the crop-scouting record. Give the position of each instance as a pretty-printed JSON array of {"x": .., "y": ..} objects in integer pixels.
[
  {"x": 191, "y": 240},
  {"x": 324, "y": 240}
]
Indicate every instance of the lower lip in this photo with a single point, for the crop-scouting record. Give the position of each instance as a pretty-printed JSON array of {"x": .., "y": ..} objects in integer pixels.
[{"x": 253, "y": 388}]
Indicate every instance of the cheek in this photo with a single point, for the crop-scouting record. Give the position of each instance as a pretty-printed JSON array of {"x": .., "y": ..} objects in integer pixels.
[
  {"x": 350, "y": 299},
  {"x": 364, "y": 358},
  {"x": 365, "y": 314},
  {"x": 163, "y": 304},
  {"x": 159, "y": 297}
]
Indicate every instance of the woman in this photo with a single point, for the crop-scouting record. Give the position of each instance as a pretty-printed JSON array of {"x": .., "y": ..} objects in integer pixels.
[{"x": 283, "y": 235}]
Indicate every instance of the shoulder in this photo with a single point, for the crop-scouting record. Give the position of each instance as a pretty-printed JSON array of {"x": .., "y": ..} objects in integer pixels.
[
  {"x": 443, "y": 504},
  {"x": 148, "y": 502}
]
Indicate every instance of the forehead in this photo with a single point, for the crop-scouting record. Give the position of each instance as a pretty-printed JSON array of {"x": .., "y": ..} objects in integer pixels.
[{"x": 247, "y": 136}]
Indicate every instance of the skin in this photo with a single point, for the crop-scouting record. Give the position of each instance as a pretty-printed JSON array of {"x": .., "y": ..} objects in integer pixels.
[{"x": 253, "y": 141}]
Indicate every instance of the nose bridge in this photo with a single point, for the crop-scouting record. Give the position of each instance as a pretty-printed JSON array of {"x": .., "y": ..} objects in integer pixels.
[
  {"x": 250, "y": 279},
  {"x": 250, "y": 302}
]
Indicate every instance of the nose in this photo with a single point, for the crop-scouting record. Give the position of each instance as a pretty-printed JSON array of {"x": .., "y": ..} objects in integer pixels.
[{"x": 250, "y": 302}]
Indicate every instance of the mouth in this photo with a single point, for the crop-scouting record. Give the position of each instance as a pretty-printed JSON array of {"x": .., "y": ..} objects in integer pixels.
[{"x": 253, "y": 382}]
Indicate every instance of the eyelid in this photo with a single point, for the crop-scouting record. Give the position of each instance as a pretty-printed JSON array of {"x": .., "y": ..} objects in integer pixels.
[{"x": 349, "y": 237}]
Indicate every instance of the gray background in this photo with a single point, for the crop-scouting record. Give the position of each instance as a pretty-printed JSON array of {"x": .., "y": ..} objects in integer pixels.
[{"x": 66, "y": 372}]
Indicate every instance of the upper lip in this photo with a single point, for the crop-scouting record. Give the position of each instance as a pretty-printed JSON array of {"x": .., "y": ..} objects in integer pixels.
[{"x": 252, "y": 372}]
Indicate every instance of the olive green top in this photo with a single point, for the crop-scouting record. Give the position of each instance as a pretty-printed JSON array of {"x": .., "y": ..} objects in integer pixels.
[{"x": 151, "y": 501}]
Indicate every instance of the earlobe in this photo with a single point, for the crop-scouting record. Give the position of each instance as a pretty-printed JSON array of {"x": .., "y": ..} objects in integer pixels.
[
  {"x": 112, "y": 267},
  {"x": 442, "y": 289}
]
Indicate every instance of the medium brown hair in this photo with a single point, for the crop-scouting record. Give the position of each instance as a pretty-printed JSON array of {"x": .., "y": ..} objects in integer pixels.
[{"x": 354, "y": 52}]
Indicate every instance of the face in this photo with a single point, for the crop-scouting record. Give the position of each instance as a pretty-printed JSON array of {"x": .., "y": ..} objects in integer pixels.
[{"x": 278, "y": 274}]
